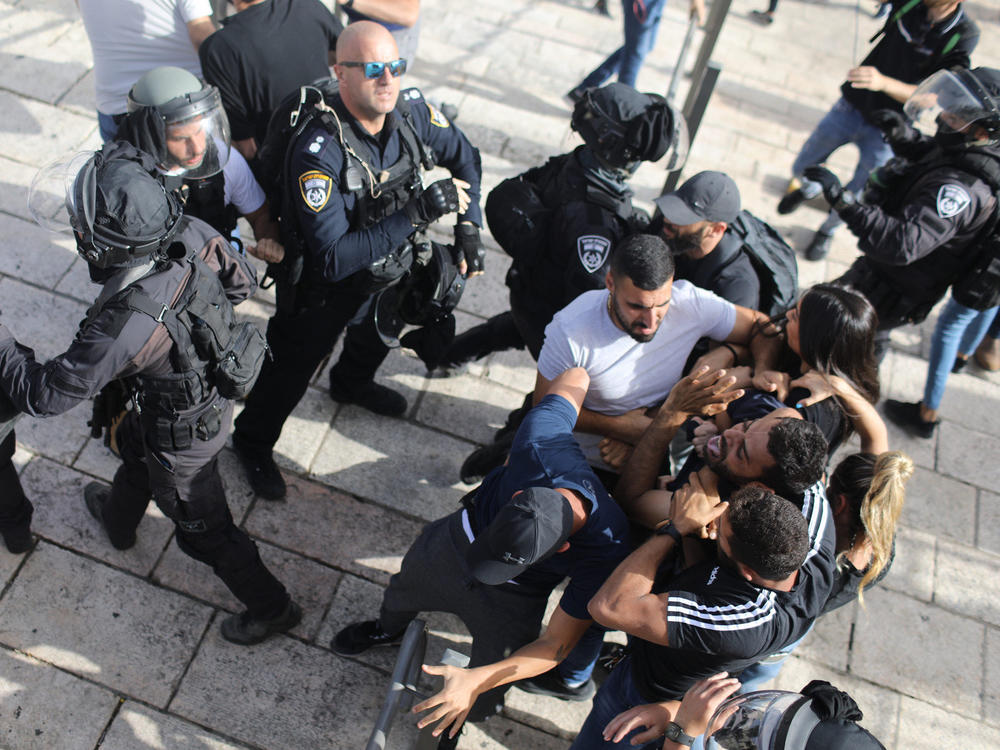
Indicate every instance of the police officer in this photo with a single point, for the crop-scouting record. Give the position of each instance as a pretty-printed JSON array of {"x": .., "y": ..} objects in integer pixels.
[
  {"x": 181, "y": 122},
  {"x": 922, "y": 221},
  {"x": 579, "y": 206},
  {"x": 15, "y": 507},
  {"x": 355, "y": 200},
  {"x": 168, "y": 284}
]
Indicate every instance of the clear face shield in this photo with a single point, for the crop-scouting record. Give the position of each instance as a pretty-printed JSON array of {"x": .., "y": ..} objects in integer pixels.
[
  {"x": 51, "y": 198},
  {"x": 762, "y": 720},
  {"x": 196, "y": 135},
  {"x": 945, "y": 104},
  {"x": 678, "y": 153}
]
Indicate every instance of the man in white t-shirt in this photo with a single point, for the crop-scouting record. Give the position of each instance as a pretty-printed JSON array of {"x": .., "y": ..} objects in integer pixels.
[
  {"x": 633, "y": 339},
  {"x": 129, "y": 38}
]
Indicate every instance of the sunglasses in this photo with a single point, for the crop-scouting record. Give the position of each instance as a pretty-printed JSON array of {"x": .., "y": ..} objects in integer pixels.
[{"x": 376, "y": 69}]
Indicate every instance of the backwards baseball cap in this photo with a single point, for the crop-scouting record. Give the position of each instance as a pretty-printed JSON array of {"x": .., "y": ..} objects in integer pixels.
[
  {"x": 708, "y": 196},
  {"x": 527, "y": 530}
]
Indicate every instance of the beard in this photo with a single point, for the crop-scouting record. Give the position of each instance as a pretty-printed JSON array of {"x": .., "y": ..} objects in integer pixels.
[
  {"x": 632, "y": 329},
  {"x": 717, "y": 463}
]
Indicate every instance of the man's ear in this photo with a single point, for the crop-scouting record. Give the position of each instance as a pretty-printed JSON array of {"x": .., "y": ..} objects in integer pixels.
[{"x": 609, "y": 282}]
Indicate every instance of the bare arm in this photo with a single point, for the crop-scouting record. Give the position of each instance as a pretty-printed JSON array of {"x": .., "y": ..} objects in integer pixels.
[
  {"x": 462, "y": 686},
  {"x": 200, "y": 29},
  {"x": 863, "y": 415},
  {"x": 627, "y": 427},
  {"x": 625, "y": 601},
  {"x": 265, "y": 232},
  {"x": 403, "y": 12},
  {"x": 869, "y": 77},
  {"x": 701, "y": 392}
]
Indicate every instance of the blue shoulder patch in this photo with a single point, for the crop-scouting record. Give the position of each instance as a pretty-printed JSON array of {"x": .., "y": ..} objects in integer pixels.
[
  {"x": 412, "y": 95},
  {"x": 318, "y": 142}
]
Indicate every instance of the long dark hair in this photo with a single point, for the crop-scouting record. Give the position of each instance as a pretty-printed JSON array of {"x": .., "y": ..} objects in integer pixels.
[{"x": 837, "y": 336}]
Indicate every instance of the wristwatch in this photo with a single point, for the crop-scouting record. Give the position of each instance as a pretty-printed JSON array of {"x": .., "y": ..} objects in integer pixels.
[
  {"x": 676, "y": 734},
  {"x": 671, "y": 530}
]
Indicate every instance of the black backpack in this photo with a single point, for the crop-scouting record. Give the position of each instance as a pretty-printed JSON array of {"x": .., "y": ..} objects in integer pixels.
[{"x": 773, "y": 259}]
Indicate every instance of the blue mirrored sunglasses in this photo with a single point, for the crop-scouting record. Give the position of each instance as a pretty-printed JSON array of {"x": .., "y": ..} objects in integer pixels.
[{"x": 376, "y": 69}]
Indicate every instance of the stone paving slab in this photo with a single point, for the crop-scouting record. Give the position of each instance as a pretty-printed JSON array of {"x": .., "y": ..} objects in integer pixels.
[
  {"x": 30, "y": 718},
  {"x": 138, "y": 726},
  {"x": 102, "y": 624},
  {"x": 281, "y": 694},
  {"x": 897, "y": 641}
]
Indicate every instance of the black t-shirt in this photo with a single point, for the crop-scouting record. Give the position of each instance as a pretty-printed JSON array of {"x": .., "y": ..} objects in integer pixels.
[
  {"x": 826, "y": 414},
  {"x": 262, "y": 54},
  {"x": 913, "y": 48},
  {"x": 727, "y": 271},
  {"x": 719, "y": 622}
]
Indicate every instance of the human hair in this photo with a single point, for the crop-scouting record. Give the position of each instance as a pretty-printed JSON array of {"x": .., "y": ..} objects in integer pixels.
[
  {"x": 645, "y": 259},
  {"x": 837, "y": 336},
  {"x": 799, "y": 451},
  {"x": 769, "y": 534},
  {"x": 874, "y": 489}
]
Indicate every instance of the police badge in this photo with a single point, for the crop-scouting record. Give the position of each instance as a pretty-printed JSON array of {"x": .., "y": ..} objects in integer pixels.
[
  {"x": 315, "y": 189},
  {"x": 593, "y": 251},
  {"x": 952, "y": 200}
]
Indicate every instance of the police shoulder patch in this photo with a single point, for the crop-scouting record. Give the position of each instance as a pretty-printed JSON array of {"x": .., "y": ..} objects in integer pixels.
[
  {"x": 315, "y": 189},
  {"x": 593, "y": 250},
  {"x": 437, "y": 118},
  {"x": 952, "y": 200}
]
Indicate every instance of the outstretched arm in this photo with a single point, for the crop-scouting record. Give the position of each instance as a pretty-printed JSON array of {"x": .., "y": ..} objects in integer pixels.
[{"x": 462, "y": 686}]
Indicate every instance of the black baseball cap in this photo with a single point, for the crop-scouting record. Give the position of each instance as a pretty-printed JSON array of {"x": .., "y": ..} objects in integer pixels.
[
  {"x": 708, "y": 196},
  {"x": 528, "y": 529}
]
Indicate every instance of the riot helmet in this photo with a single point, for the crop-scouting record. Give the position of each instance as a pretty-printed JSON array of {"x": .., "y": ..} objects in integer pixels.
[
  {"x": 957, "y": 106},
  {"x": 117, "y": 209},
  {"x": 819, "y": 718},
  {"x": 180, "y": 121},
  {"x": 624, "y": 127}
]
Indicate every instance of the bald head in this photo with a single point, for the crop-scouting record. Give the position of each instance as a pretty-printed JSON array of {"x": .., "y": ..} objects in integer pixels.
[
  {"x": 361, "y": 36},
  {"x": 368, "y": 99}
]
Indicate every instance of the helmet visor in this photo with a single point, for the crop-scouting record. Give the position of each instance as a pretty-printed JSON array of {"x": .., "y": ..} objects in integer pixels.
[
  {"x": 51, "y": 198},
  {"x": 944, "y": 103},
  {"x": 678, "y": 153},
  {"x": 750, "y": 721},
  {"x": 196, "y": 133}
]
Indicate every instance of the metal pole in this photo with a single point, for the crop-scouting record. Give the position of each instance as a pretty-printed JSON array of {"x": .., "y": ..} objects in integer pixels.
[
  {"x": 675, "y": 78},
  {"x": 713, "y": 27},
  {"x": 699, "y": 103}
]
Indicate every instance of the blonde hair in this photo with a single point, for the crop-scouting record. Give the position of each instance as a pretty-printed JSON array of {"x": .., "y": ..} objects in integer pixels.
[{"x": 875, "y": 489}]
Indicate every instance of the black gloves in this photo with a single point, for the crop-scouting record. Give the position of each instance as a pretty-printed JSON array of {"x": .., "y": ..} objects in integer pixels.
[
  {"x": 833, "y": 191},
  {"x": 467, "y": 246},
  {"x": 897, "y": 131},
  {"x": 437, "y": 199}
]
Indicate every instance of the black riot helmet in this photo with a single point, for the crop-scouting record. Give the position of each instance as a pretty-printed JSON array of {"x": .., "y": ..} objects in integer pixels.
[
  {"x": 180, "y": 121},
  {"x": 957, "y": 106},
  {"x": 119, "y": 211},
  {"x": 624, "y": 127}
]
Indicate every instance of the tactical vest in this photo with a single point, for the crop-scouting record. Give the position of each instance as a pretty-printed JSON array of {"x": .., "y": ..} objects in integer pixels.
[{"x": 209, "y": 347}]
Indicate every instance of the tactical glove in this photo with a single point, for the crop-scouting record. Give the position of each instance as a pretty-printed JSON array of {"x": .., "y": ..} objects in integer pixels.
[
  {"x": 833, "y": 191},
  {"x": 437, "y": 199},
  {"x": 897, "y": 131},
  {"x": 468, "y": 246}
]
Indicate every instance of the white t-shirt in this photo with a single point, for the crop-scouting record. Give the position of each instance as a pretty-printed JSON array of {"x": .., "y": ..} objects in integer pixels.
[
  {"x": 130, "y": 38},
  {"x": 624, "y": 373},
  {"x": 241, "y": 188}
]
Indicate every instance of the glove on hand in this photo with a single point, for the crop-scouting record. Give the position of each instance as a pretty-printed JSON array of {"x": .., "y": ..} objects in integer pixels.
[
  {"x": 437, "y": 199},
  {"x": 833, "y": 191},
  {"x": 468, "y": 246},
  {"x": 894, "y": 126}
]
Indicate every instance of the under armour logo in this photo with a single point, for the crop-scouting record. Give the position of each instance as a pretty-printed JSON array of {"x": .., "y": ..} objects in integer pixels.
[{"x": 512, "y": 559}]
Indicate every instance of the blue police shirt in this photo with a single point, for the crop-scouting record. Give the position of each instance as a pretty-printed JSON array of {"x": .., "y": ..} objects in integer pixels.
[
  {"x": 545, "y": 454},
  {"x": 324, "y": 208}
]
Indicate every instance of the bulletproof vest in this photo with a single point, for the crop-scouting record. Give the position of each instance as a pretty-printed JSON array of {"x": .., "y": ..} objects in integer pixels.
[
  {"x": 199, "y": 322},
  {"x": 380, "y": 195},
  {"x": 205, "y": 199}
]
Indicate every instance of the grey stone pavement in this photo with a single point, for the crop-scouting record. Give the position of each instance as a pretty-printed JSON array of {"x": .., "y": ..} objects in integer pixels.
[{"x": 121, "y": 650}]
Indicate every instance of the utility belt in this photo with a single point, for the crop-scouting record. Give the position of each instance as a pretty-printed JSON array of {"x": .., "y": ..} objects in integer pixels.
[{"x": 179, "y": 433}]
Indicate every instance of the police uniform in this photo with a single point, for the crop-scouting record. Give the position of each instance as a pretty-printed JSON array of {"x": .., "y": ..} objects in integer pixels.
[
  {"x": 168, "y": 444},
  {"x": 350, "y": 218},
  {"x": 918, "y": 241},
  {"x": 591, "y": 209}
]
